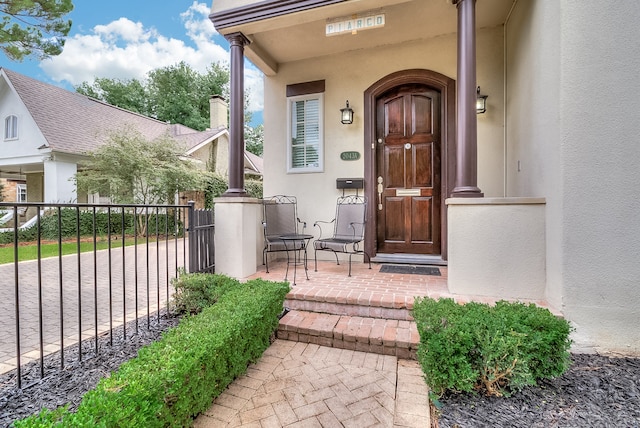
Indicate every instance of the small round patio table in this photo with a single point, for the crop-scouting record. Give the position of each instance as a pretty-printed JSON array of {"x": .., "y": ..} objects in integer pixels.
[{"x": 296, "y": 243}]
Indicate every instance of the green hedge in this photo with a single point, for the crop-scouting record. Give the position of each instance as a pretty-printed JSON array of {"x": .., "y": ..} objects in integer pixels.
[
  {"x": 218, "y": 185},
  {"x": 68, "y": 225},
  {"x": 196, "y": 291},
  {"x": 495, "y": 349},
  {"x": 173, "y": 380},
  {"x": 24, "y": 235}
]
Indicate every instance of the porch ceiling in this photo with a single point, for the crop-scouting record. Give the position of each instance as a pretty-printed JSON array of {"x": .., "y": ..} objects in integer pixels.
[
  {"x": 12, "y": 171},
  {"x": 301, "y": 35}
]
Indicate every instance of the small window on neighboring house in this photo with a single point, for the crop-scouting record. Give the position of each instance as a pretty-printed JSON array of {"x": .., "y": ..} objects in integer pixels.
[
  {"x": 305, "y": 147},
  {"x": 11, "y": 127},
  {"x": 21, "y": 190}
]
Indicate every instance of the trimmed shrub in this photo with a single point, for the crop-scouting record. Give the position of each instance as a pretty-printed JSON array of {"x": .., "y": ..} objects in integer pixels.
[
  {"x": 103, "y": 223},
  {"x": 496, "y": 349},
  {"x": 254, "y": 188},
  {"x": 177, "y": 378},
  {"x": 194, "y": 292},
  {"x": 24, "y": 235},
  {"x": 218, "y": 184}
]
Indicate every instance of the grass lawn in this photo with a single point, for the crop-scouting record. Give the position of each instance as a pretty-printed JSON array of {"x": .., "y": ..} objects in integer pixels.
[{"x": 30, "y": 251}]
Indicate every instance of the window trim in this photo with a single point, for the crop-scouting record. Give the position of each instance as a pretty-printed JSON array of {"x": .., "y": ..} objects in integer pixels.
[
  {"x": 19, "y": 188},
  {"x": 14, "y": 127},
  {"x": 290, "y": 101}
]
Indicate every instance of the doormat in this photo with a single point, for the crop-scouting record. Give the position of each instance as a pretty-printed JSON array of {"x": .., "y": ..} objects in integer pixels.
[{"x": 410, "y": 269}]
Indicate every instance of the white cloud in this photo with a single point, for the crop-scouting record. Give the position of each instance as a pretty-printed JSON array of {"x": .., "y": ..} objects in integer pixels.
[
  {"x": 124, "y": 49},
  {"x": 253, "y": 84},
  {"x": 125, "y": 29}
]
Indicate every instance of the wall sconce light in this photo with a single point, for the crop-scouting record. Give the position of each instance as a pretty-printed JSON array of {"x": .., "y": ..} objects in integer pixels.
[
  {"x": 346, "y": 115},
  {"x": 481, "y": 102}
]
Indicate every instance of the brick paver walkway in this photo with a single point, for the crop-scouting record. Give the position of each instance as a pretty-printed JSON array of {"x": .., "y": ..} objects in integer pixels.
[
  {"x": 335, "y": 369},
  {"x": 306, "y": 385},
  {"x": 117, "y": 284}
]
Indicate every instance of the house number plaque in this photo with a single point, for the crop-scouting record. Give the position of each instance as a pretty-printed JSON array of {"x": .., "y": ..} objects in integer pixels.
[{"x": 350, "y": 156}]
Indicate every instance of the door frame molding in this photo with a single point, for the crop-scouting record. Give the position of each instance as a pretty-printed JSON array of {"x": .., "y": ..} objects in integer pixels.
[{"x": 447, "y": 88}]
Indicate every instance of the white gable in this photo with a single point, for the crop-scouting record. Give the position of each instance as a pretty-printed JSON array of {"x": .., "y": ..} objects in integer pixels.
[{"x": 25, "y": 148}]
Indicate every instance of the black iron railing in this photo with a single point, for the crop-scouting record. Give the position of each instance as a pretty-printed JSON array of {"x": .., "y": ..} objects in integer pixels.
[
  {"x": 201, "y": 237},
  {"x": 96, "y": 267}
]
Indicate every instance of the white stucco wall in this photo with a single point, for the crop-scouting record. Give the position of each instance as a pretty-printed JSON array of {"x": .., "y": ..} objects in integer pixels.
[
  {"x": 533, "y": 156},
  {"x": 24, "y": 149},
  {"x": 572, "y": 103},
  {"x": 600, "y": 151},
  {"x": 497, "y": 247},
  {"x": 347, "y": 76}
]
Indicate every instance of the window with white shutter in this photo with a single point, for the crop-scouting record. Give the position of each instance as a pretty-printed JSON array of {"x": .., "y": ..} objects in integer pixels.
[{"x": 305, "y": 147}]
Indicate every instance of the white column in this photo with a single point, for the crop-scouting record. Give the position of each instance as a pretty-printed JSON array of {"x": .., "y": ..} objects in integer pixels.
[
  {"x": 59, "y": 186},
  {"x": 238, "y": 236}
]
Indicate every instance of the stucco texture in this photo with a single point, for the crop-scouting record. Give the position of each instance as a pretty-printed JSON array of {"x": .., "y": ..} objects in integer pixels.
[
  {"x": 347, "y": 76},
  {"x": 600, "y": 151}
]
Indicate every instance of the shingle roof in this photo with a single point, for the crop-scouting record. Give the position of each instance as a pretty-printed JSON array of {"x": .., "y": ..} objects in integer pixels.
[
  {"x": 74, "y": 123},
  {"x": 256, "y": 161},
  {"x": 194, "y": 138}
]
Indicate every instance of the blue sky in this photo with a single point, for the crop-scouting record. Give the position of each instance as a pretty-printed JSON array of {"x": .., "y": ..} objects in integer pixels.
[{"x": 126, "y": 39}]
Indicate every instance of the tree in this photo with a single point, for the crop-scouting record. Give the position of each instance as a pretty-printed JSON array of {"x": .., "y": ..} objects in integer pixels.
[
  {"x": 179, "y": 94},
  {"x": 175, "y": 94},
  {"x": 33, "y": 27},
  {"x": 129, "y": 94},
  {"x": 254, "y": 139},
  {"x": 131, "y": 169}
]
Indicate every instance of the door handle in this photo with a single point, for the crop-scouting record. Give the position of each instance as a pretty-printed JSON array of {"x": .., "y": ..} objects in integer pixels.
[{"x": 380, "y": 190}]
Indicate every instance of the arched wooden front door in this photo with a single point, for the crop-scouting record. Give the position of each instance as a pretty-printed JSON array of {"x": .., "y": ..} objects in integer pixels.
[
  {"x": 408, "y": 183},
  {"x": 409, "y": 162}
]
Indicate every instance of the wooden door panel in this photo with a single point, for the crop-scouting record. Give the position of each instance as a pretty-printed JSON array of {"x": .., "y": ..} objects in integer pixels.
[
  {"x": 422, "y": 171},
  {"x": 394, "y": 114},
  {"x": 395, "y": 228},
  {"x": 421, "y": 115},
  {"x": 421, "y": 209},
  {"x": 394, "y": 173},
  {"x": 408, "y": 162}
]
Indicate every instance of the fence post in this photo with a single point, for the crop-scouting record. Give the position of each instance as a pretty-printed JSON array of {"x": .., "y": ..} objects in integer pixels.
[{"x": 193, "y": 242}]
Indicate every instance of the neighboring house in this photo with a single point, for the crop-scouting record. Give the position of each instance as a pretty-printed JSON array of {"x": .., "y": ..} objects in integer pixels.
[
  {"x": 13, "y": 190},
  {"x": 48, "y": 131},
  {"x": 537, "y": 198}
]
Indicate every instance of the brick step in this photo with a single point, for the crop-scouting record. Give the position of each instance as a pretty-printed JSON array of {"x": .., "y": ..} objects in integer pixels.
[
  {"x": 381, "y": 336},
  {"x": 391, "y": 306}
]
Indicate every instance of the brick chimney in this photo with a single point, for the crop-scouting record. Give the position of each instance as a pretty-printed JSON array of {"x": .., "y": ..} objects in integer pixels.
[{"x": 218, "y": 112}]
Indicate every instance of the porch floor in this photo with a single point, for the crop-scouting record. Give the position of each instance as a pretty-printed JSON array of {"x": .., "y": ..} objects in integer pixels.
[{"x": 344, "y": 355}]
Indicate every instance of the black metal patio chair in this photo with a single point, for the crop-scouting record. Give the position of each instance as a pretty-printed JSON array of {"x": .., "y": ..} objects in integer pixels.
[
  {"x": 348, "y": 230},
  {"x": 280, "y": 217}
]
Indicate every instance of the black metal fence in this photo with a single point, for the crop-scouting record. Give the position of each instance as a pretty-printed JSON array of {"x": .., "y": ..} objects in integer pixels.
[
  {"x": 72, "y": 272},
  {"x": 201, "y": 237}
]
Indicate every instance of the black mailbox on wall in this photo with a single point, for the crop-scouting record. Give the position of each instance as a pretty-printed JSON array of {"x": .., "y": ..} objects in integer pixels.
[{"x": 350, "y": 183}]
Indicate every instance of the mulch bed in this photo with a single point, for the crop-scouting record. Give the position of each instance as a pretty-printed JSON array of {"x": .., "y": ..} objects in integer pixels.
[
  {"x": 597, "y": 391},
  {"x": 67, "y": 386}
]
